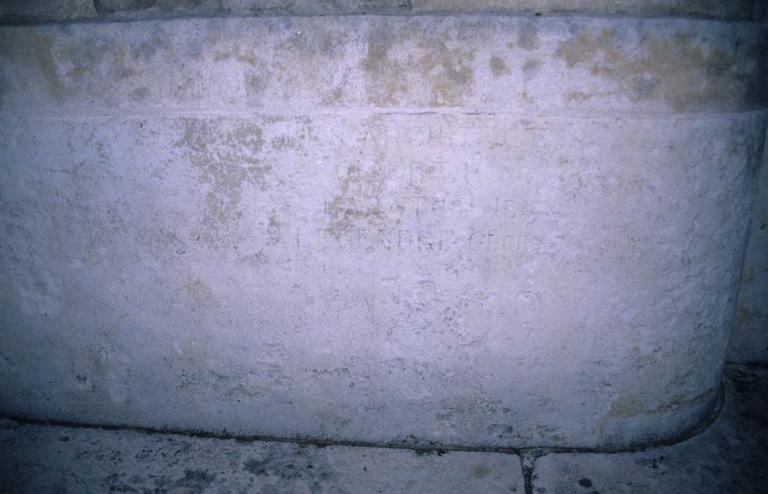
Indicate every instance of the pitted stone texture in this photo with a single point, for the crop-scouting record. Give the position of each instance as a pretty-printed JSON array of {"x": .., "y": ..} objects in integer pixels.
[
  {"x": 293, "y": 64},
  {"x": 40, "y": 459},
  {"x": 749, "y": 341},
  {"x": 729, "y": 457},
  {"x": 462, "y": 279},
  {"x": 64, "y": 10}
]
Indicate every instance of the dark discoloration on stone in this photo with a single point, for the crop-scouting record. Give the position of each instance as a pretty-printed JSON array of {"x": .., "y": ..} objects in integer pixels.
[
  {"x": 273, "y": 228},
  {"x": 256, "y": 467},
  {"x": 194, "y": 480},
  {"x": 480, "y": 471},
  {"x": 288, "y": 464},
  {"x": 687, "y": 71}
]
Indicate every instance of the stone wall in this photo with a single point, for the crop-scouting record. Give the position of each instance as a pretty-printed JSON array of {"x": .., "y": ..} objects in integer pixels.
[{"x": 448, "y": 228}]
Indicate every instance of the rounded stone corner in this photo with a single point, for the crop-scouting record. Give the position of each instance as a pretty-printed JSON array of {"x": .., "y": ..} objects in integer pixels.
[{"x": 645, "y": 431}]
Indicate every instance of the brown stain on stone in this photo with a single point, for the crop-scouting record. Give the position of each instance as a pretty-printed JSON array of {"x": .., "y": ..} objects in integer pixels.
[
  {"x": 498, "y": 67},
  {"x": 450, "y": 73},
  {"x": 92, "y": 66},
  {"x": 383, "y": 75},
  {"x": 685, "y": 72},
  {"x": 445, "y": 72},
  {"x": 227, "y": 158},
  {"x": 242, "y": 56},
  {"x": 42, "y": 50}
]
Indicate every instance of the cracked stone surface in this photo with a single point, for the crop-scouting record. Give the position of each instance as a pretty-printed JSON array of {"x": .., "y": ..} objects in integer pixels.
[{"x": 729, "y": 457}]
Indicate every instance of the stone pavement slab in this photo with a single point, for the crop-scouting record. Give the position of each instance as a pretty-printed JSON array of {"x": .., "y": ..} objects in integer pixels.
[{"x": 40, "y": 459}]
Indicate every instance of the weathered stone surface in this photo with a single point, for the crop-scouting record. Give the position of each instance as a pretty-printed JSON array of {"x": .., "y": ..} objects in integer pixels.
[
  {"x": 480, "y": 64},
  {"x": 729, "y": 457},
  {"x": 484, "y": 231},
  {"x": 63, "y": 10},
  {"x": 57, "y": 459}
]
